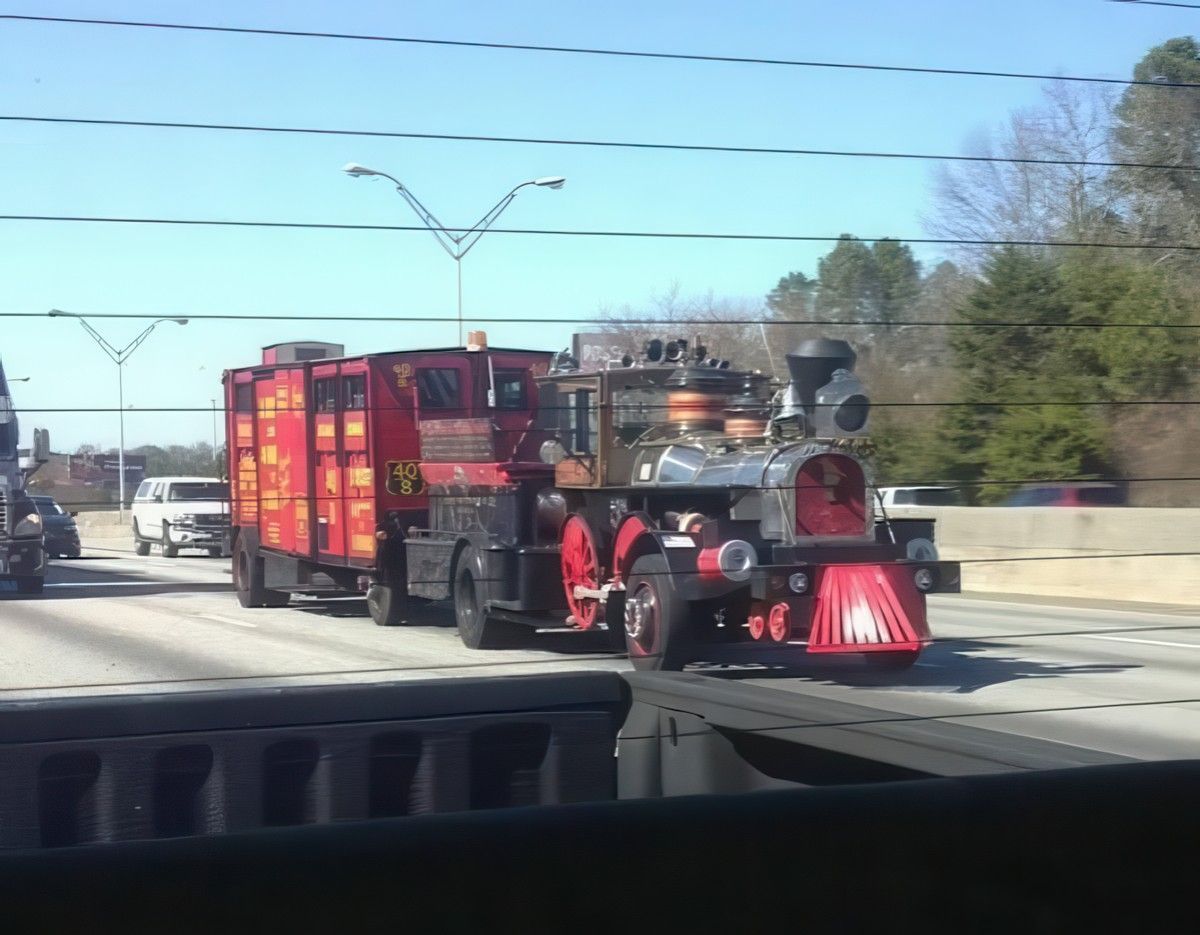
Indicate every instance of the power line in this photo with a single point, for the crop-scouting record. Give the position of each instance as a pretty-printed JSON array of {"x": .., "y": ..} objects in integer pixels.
[
  {"x": 1185, "y": 6},
  {"x": 644, "y": 408},
  {"x": 955, "y": 484},
  {"x": 663, "y": 324},
  {"x": 611, "y": 144},
  {"x": 623, "y": 53},
  {"x": 548, "y": 232}
]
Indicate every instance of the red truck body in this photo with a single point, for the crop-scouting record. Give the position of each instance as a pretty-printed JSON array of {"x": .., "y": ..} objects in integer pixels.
[{"x": 323, "y": 448}]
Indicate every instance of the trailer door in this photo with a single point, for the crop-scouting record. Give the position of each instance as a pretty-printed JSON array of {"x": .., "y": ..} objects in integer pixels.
[
  {"x": 358, "y": 472},
  {"x": 327, "y": 468}
]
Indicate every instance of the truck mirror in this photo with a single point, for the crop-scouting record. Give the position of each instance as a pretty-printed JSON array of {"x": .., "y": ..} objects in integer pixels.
[{"x": 41, "y": 446}]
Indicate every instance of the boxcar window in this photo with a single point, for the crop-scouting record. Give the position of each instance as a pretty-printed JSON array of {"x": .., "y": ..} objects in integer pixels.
[
  {"x": 243, "y": 397},
  {"x": 510, "y": 389},
  {"x": 325, "y": 395},
  {"x": 354, "y": 392},
  {"x": 437, "y": 388}
]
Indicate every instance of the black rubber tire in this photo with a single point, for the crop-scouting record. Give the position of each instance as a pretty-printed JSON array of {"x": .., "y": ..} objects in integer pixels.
[
  {"x": 140, "y": 546},
  {"x": 475, "y": 628},
  {"x": 214, "y": 553},
  {"x": 248, "y": 580},
  {"x": 892, "y": 662},
  {"x": 30, "y": 584},
  {"x": 168, "y": 550},
  {"x": 664, "y": 644},
  {"x": 614, "y": 621},
  {"x": 387, "y": 608}
]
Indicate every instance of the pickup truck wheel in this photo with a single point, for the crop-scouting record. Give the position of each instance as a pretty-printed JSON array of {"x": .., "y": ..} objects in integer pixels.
[
  {"x": 168, "y": 550},
  {"x": 248, "y": 580},
  {"x": 140, "y": 546},
  {"x": 30, "y": 584},
  {"x": 475, "y": 628},
  {"x": 655, "y": 618}
]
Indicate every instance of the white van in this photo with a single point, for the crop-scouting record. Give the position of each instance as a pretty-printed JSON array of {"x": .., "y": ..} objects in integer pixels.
[{"x": 181, "y": 513}]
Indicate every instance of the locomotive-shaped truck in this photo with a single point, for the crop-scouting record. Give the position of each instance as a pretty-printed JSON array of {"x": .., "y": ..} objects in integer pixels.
[{"x": 691, "y": 510}]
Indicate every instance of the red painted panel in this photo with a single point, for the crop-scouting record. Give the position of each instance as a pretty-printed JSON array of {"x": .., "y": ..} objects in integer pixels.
[
  {"x": 831, "y": 497},
  {"x": 867, "y": 608}
]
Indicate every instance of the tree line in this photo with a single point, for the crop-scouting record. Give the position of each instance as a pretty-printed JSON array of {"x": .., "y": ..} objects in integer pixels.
[{"x": 1083, "y": 387}]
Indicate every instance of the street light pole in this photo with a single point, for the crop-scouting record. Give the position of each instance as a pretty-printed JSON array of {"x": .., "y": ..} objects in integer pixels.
[
  {"x": 118, "y": 356},
  {"x": 455, "y": 242}
]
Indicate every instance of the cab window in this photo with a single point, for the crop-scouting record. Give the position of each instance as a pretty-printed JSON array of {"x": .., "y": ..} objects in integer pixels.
[
  {"x": 510, "y": 389},
  {"x": 354, "y": 392},
  {"x": 582, "y": 422},
  {"x": 143, "y": 491},
  {"x": 438, "y": 388},
  {"x": 325, "y": 395}
]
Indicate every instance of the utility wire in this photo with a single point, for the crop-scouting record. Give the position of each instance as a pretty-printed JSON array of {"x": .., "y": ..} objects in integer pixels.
[
  {"x": 663, "y": 324},
  {"x": 647, "y": 408},
  {"x": 547, "y": 232},
  {"x": 612, "y": 144},
  {"x": 577, "y": 50},
  {"x": 1184, "y": 6}
]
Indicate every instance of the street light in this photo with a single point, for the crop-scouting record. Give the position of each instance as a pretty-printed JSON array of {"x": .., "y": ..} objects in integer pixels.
[
  {"x": 118, "y": 357},
  {"x": 455, "y": 243}
]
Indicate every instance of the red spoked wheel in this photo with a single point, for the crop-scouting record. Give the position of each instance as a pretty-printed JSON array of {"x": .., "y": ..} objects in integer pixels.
[
  {"x": 780, "y": 623},
  {"x": 580, "y": 568},
  {"x": 758, "y": 626}
]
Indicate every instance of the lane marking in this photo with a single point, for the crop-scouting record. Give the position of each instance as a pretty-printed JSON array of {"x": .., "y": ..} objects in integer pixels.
[
  {"x": 974, "y": 603},
  {"x": 237, "y": 623},
  {"x": 1131, "y": 639},
  {"x": 129, "y": 584}
]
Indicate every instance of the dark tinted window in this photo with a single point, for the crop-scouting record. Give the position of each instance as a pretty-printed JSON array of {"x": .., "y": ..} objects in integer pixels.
[
  {"x": 47, "y": 507},
  {"x": 510, "y": 389},
  {"x": 928, "y": 496},
  {"x": 325, "y": 395},
  {"x": 1034, "y": 496},
  {"x": 243, "y": 397},
  {"x": 354, "y": 392},
  {"x": 437, "y": 388},
  {"x": 199, "y": 491}
]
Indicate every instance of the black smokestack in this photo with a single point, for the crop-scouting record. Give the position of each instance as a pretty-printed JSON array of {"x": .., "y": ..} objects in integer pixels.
[{"x": 812, "y": 364}]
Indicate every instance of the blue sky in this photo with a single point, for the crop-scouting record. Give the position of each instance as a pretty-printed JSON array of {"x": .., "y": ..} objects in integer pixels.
[{"x": 91, "y": 71}]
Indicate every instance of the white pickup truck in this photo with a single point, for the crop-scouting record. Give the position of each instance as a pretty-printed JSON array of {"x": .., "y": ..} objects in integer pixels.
[{"x": 181, "y": 513}]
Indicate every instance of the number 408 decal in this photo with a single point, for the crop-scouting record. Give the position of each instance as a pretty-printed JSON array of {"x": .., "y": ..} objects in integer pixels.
[{"x": 404, "y": 478}]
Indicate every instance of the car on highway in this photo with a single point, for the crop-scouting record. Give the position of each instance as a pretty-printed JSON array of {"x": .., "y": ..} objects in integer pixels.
[
  {"x": 60, "y": 534},
  {"x": 181, "y": 513},
  {"x": 921, "y": 496},
  {"x": 1086, "y": 494}
]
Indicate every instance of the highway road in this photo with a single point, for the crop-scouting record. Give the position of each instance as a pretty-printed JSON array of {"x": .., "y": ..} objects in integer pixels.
[{"x": 1124, "y": 681}]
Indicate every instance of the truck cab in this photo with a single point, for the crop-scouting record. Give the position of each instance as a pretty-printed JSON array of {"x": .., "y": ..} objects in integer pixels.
[{"x": 22, "y": 552}]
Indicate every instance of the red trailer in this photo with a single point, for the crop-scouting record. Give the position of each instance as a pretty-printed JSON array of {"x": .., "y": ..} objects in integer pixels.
[{"x": 324, "y": 458}]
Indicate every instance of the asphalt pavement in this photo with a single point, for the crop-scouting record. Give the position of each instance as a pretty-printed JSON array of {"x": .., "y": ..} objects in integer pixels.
[{"x": 1124, "y": 681}]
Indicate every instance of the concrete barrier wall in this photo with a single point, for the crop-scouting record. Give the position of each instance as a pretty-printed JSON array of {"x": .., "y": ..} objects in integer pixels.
[
  {"x": 1071, "y": 545},
  {"x": 104, "y": 524}
]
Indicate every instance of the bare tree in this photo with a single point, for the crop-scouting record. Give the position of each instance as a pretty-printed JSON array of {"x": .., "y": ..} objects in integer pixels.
[
  {"x": 1036, "y": 196},
  {"x": 737, "y": 329}
]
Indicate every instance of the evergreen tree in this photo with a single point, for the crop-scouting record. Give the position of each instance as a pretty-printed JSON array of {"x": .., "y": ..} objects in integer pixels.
[{"x": 849, "y": 288}]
